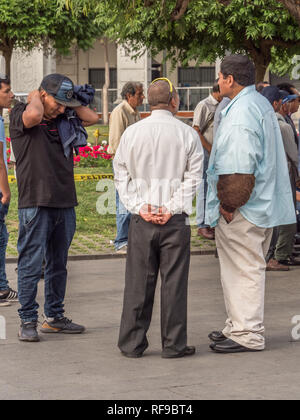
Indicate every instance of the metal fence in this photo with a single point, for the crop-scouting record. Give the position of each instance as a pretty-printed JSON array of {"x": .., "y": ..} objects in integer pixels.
[{"x": 189, "y": 98}]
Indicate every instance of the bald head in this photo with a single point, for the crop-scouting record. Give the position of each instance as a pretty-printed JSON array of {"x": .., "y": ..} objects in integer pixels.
[{"x": 159, "y": 93}]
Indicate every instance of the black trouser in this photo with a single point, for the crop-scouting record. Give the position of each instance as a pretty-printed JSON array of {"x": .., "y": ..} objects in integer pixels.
[{"x": 152, "y": 248}]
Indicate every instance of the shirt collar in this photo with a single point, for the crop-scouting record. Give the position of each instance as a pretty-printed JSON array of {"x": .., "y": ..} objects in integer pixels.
[
  {"x": 161, "y": 112},
  {"x": 129, "y": 108},
  {"x": 212, "y": 100},
  {"x": 243, "y": 92}
]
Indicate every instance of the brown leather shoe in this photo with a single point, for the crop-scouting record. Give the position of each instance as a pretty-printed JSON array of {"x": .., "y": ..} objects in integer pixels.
[
  {"x": 273, "y": 265},
  {"x": 206, "y": 233}
]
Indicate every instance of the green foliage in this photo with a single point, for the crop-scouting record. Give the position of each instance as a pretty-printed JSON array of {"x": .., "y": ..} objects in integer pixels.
[
  {"x": 33, "y": 24},
  {"x": 262, "y": 28}
]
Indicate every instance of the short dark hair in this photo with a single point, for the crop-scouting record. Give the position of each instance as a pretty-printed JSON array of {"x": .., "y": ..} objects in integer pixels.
[
  {"x": 288, "y": 87},
  {"x": 130, "y": 88},
  {"x": 240, "y": 67},
  {"x": 261, "y": 85},
  {"x": 216, "y": 87},
  {"x": 4, "y": 79}
]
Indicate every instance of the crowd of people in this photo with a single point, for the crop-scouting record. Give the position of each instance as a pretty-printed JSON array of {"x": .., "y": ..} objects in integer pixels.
[{"x": 240, "y": 159}]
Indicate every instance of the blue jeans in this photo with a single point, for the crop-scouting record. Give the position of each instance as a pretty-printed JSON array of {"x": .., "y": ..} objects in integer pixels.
[
  {"x": 123, "y": 219},
  {"x": 44, "y": 233},
  {"x": 3, "y": 245},
  {"x": 201, "y": 194}
]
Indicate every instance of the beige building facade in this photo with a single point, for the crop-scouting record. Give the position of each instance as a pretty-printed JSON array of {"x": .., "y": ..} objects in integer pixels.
[{"x": 27, "y": 71}]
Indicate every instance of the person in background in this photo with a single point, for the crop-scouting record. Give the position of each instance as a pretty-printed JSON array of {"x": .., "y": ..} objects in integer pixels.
[
  {"x": 261, "y": 85},
  {"x": 7, "y": 294},
  {"x": 294, "y": 100},
  {"x": 203, "y": 123},
  {"x": 280, "y": 255},
  {"x": 124, "y": 115}
]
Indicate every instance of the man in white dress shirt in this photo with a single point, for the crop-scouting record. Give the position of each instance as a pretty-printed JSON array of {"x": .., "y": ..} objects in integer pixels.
[{"x": 158, "y": 167}]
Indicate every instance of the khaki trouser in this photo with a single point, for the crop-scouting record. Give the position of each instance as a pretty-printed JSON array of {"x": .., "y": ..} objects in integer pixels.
[{"x": 242, "y": 248}]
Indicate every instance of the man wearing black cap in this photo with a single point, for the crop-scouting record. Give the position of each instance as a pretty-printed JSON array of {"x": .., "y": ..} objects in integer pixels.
[
  {"x": 47, "y": 198},
  {"x": 279, "y": 257}
]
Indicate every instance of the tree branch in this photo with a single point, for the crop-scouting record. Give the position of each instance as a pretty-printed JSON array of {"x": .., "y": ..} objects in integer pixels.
[
  {"x": 180, "y": 9},
  {"x": 279, "y": 43}
]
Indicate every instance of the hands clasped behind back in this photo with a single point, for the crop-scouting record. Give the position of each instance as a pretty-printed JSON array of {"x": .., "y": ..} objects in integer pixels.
[{"x": 155, "y": 215}]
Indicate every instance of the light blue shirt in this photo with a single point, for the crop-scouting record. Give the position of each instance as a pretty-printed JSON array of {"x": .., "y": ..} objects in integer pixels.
[
  {"x": 3, "y": 139},
  {"x": 218, "y": 116},
  {"x": 248, "y": 141}
]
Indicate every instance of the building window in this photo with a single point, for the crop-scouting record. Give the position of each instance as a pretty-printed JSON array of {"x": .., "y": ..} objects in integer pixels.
[
  {"x": 97, "y": 78},
  {"x": 196, "y": 76}
]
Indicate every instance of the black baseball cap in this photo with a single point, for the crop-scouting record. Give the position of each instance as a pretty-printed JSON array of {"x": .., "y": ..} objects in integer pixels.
[
  {"x": 61, "y": 88},
  {"x": 272, "y": 93}
]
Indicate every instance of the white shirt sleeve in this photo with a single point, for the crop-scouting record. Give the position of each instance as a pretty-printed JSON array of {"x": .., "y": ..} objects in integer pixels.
[
  {"x": 126, "y": 187},
  {"x": 182, "y": 199}
]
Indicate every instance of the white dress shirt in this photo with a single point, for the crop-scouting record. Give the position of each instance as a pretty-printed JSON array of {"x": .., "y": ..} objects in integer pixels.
[{"x": 160, "y": 162}]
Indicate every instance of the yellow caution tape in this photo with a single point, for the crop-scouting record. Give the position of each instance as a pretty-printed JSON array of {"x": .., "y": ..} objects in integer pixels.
[
  {"x": 12, "y": 179},
  {"x": 92, "y": 177},
  {"x": 77, "y": 177}
]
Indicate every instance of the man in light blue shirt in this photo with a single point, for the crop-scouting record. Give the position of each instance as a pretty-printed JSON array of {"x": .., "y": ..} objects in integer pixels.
[
  {"x": 7, "y": 295},
  {"x": 249, "y": 193}
]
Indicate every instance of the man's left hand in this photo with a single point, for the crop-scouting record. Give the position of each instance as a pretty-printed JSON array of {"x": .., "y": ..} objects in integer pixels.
[
  {"x": 162, "y": 217},
  {"x": 227, "y": 216}
]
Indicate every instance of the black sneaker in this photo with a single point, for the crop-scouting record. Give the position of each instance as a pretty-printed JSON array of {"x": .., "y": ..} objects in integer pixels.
[
  {"x": 28, "y": 332},
  {"x": 61, "y": 325},
  {"x": 4, "y": 302},
  {"x": 9, "y": 294}
]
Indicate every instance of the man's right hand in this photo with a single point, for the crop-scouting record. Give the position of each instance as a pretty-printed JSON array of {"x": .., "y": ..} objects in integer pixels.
[
  {"x": 5, "y": 199},
  {"x": 31, "y": 95},
  {"x": 157, "y": 216},
  {"x": 147, "y": 212},
  {"x": 34, "y": 111}
]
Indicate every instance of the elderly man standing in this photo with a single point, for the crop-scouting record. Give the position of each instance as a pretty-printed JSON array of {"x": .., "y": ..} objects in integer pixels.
[
  {"x": 158, "y": 167},
  {"x": 249, "y": 193},
  {"x": 125, "y": 114}
]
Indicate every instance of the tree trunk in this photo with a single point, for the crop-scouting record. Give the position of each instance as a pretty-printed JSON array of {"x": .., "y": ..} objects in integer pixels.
[
  {"x": 260, "y": 72},
  {"x": 7, "y": 54},
  {"x": 106, "y": 84},
  {"x": 261, "y": 56},
  {"x": 294, "y": 8}
]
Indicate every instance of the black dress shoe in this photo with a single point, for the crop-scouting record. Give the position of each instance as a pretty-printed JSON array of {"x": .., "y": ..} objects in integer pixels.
[
  {"x": 188, "y": 351},
  {"x": 290, "y": 262},
  {"x": 132, "y": 355},
  {"x": 230, "y": 346},
  {"x": 217, "y": 336}
]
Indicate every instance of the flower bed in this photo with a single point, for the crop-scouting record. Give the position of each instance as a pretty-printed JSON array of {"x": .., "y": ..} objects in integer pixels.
[
  {"x": 93, "y": 156},
  {"x": 8, "y": 149}
]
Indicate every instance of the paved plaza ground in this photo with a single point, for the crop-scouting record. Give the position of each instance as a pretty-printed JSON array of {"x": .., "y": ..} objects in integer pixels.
[{"x": 90, "y": 366}]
